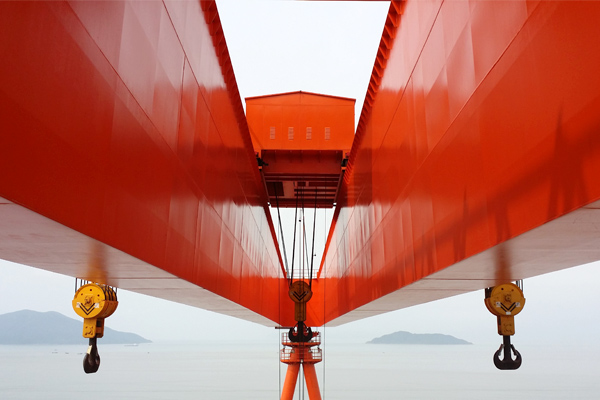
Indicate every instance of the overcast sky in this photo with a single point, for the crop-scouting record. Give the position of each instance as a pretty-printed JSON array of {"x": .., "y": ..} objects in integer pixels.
[{"x": 326, "y": 48}]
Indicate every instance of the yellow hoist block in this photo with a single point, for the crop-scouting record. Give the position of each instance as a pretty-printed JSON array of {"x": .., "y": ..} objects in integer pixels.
[
  {"x": 505, "y": 301},
  {"x": 300, "y": 292},
  {"x": 94, "y": 302}
]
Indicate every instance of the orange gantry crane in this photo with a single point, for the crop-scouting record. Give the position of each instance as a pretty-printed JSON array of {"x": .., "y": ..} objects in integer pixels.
[{"x": 129, "y": 161}]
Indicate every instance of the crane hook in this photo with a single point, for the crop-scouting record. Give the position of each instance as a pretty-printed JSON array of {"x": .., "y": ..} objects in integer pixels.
[
  {"x": 91, "y": 360},
  {"x": 300, "y": 333},
  {"x": 505, "y": 301},
  {"x": 94, "y": 302},
  {"x": 507, "y": 362}
]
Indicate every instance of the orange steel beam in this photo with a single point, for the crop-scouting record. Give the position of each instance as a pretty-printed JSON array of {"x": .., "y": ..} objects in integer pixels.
[
  {"x": 289, "y": 384},
  {"x": 476, "y": 159},
  {"x": 303, "y": 174},
  {"x": 127, "y": 157},
  {"x": 291, "y": 379},
  {"x": 312, "y": 384}
]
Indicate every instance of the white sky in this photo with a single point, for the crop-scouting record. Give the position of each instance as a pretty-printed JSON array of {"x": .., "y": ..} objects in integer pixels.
[
  {"x": 288, "y": 46},
  {"x": 313, "y": 46}
]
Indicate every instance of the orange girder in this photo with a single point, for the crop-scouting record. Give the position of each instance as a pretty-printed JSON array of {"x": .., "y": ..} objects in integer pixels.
[
  {"x": 127, "y": 159},
  {"x": 126, "y": 156},
  {"x": 480, "y": 127}
]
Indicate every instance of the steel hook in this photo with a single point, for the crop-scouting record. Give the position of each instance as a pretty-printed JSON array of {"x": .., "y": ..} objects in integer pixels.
[
  {"x": 91, "y": 361},
  {"x": 507, "y": 363},
  {"x": 300, "y": 333}
]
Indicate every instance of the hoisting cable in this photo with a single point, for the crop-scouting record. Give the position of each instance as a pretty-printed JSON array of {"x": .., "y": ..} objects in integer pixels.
[
  {"x": 519, "y": 283},
  {"x": 312, "y": 251},
  {"x": 324, "y": 299},
  {"x": 279, "y": 336},
  {"x": 294, "y": 242},
  {"x": 303, "y": 247},
  {"x": 281, "y": 232},
  {"x": 305, "y": 258}
]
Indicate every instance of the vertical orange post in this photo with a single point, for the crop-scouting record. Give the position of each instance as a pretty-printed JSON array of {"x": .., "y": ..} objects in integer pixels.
[
  {"x": 312, "y": 384},
  {"x": 306, "y": 354},
  {"x": 289, "y": 385}
]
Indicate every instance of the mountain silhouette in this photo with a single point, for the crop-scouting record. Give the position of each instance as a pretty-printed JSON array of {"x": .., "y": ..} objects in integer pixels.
[
  {"x": 402, "y": 337},
  {"x": 33, "y": 327}
]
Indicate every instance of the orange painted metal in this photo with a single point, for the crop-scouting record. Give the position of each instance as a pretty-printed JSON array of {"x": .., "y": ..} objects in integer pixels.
[
  {"x": 291, "y": 379},
  {"x": 312, "y": 384},
  {"x": 302, "y": 178},
  {"x": 476, "y": 144},
  {"x": 273, "y": 118},
  {"x": 127, "y": 158},
  {"x": 289, "y": 384},
  {"x": 301, "y": 140},
  {"x": 122, "y": 122},
  {"x": 295, "y": 354}
]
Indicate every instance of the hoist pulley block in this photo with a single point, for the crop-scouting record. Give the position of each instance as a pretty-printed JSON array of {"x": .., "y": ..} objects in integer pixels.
[
  {"x": 505, "y": 301},
  {"x": 300, "y": 293},
  {"x": 93, "y": 303}
]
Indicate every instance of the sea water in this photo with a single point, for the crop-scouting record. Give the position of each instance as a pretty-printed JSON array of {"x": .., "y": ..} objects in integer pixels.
[{"x": 220, "y": 371}]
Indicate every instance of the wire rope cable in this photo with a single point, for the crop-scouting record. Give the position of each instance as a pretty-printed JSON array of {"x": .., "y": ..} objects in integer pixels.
[
  {"x": 294, "y": 242},
  {"x": 324, "y": 356},
  {"x": 279, "y": 294},
  {"x": 301, "y": 383},
  {"x": 303, "y": 248},
  {"x": 312, "y": 251},
  {"x": 282, "y": 239}
]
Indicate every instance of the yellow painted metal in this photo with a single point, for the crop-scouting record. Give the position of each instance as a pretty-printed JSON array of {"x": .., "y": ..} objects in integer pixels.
[
  {"x": 505, "y": 301},
  {"x": 89, "y": 327},
  {"x": 94, "y": 302},
  {"x": 300, "y": 292}
]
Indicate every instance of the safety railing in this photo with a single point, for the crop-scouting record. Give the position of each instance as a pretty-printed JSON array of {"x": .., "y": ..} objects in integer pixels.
[{"x": 298, "y": 354}]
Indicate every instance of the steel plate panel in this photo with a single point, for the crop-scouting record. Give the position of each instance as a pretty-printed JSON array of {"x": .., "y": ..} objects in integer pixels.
[
  {"x": 494, "y": 139},
  {"x": 123, "y": 124}
]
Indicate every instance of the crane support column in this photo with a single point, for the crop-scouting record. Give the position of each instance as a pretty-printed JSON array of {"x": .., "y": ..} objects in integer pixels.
[
  {"x": 312, "y": 384},
  {"x": 305, "y": 354},
  {"x": 301, "y": 347},
  {"x": 291, "y": 378}
]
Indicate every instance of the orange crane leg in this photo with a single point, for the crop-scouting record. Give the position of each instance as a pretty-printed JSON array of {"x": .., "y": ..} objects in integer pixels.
[
  {"x": 312, "y": 384},
  {"x": 289, "y": 385}
]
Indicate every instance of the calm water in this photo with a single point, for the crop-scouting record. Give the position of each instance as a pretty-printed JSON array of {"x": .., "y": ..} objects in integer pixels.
[{"x": 219, "y": 372}]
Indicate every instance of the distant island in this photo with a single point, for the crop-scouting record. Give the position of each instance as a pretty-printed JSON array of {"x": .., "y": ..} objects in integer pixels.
[
  {"x": 32, "y": 327},
  {"x": 402, "y": 337}
]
